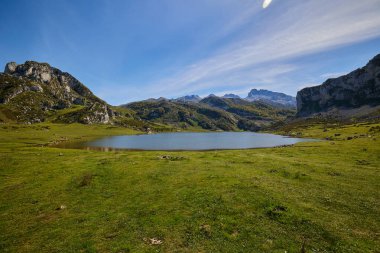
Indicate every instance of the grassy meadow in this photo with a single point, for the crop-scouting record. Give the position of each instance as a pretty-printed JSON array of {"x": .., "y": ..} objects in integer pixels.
[{"x": 310, "y": 197}]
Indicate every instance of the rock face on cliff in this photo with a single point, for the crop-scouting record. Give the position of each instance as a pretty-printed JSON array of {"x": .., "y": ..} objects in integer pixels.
[
  {"x": 33, "y": 91},
  {"x": 357, "y": 89}
]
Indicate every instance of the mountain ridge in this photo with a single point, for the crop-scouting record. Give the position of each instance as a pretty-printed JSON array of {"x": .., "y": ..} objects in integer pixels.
[
  {"x": 267, "y": 96},
  {"x": 212, "y": 113},
  {"x": 188, "y": 98},
  {"x": 35, "y": 92}
]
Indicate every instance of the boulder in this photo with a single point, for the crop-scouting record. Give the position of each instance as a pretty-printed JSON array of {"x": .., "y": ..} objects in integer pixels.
[{"x": 10, "y": 68}]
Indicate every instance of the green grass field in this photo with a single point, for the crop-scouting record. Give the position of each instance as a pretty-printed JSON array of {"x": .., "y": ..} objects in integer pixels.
[{"x": 311, "y": 197}]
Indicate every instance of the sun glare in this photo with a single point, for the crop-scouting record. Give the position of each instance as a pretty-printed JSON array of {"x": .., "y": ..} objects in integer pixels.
[{"x": 266, "y": 3}]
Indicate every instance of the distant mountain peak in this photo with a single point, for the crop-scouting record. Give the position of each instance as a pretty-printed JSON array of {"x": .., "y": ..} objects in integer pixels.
[
  {"x": 271, "y": 97},
  {"x": 189, "y": 98},
  {"x": 155, "y": 99},
  {"x": 231, "y": 96}
]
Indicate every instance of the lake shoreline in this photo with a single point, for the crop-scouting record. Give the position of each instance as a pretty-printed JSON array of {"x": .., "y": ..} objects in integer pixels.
[{"x": 185, "y": 141}]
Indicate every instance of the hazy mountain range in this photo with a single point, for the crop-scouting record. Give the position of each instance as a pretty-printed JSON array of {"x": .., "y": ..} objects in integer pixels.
[{"x": 274, "y": 98}]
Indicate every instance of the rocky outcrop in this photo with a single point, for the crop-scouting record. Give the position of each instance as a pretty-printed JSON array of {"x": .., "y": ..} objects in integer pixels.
[
  {"x": 58, "y": 90},
  {"x": 96, "y": 113},
  {"x": 357, "y": 89},
  {"x": 61, "y": 84},
  {"x": 271, "y": 97}
]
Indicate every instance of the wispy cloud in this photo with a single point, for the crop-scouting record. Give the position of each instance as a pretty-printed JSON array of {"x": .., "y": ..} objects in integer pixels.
[
  {"x": 306, "y": 85},
  {"x": 259, "y": 77},
  {"x": 333, "y": 75},
  {"x": 302, "y": 28}
]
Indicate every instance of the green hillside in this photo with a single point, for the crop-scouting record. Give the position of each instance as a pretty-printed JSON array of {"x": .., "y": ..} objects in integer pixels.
[{"x": 212, "y": 113}]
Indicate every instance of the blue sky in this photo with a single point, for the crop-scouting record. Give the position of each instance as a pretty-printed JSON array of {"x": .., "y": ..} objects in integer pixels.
[{"x": 128, "y": 50}]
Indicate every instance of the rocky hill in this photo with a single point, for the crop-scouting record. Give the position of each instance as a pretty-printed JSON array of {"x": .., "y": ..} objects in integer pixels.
[
  {"x": 183, "y": 114},
  {"x": 260, "y": 112},
  {"x": 271, "y": 97},
  {"x": 33, "y": 92},
  {"x": 355, "y": 93}
]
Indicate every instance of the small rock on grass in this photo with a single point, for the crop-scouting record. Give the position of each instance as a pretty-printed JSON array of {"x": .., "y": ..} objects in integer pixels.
[
  {"x": 171, "y": 158},
  {"x": 153, "y": 241},
  {"x": 205, "y": 229},
  {"x": 62, "y": 207}
]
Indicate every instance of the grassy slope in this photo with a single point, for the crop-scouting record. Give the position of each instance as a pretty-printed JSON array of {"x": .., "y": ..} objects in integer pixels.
[{"x": 321, "y": 195}]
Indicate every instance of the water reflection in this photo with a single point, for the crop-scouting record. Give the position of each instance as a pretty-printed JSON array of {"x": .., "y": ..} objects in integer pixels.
[{"x": 186, "y": 141}]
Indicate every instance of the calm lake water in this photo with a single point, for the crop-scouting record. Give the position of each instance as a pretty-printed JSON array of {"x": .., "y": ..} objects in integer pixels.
[{"x": 187, "y": 141}]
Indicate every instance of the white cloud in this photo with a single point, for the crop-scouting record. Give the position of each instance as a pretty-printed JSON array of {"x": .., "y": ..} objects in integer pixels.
[
  {"x": 307, "y": 85},
  {"x": 333, "y": 75},
  {"x": 257, "y": 76}
]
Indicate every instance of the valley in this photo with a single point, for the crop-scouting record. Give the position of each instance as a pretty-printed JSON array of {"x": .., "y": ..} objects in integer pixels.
[
  {"x": 318, "y": 196},
  {"x": 308, "y": 197}
]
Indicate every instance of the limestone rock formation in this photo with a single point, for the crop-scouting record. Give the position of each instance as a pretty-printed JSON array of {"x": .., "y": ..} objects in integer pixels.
[
  {"x": 32, "y": 90},
  {"x": 352, "y": 91}
]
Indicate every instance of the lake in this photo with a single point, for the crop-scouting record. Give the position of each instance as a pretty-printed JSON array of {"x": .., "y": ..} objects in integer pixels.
[{"x": 186, "y": 141}]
